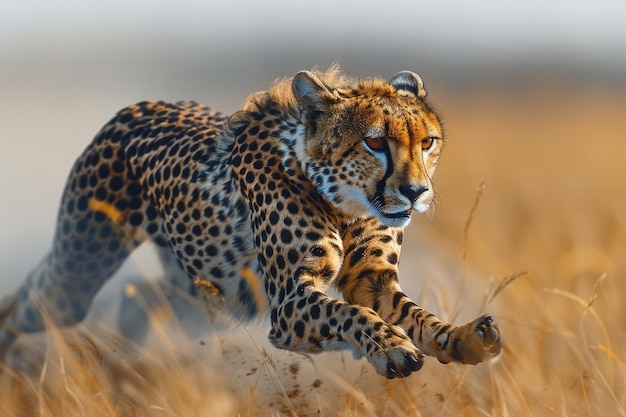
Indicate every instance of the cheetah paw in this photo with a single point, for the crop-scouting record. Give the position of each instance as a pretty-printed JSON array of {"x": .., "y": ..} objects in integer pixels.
[
  {"x": 475, "y": 342},
  {"x": 398, "y": 358}
]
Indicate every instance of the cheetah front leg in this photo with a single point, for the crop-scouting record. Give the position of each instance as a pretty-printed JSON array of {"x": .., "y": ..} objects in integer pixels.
[
  {"x": 370, "y": 278},
  {"x": 309, "y": 321},
  {"x": 472, "y": 343}
]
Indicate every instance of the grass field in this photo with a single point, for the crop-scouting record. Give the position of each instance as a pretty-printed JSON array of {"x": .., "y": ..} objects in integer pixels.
[{"x": 530, "y": 226}]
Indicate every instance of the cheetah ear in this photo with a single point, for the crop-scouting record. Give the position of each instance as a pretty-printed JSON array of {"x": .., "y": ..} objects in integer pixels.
[
  {"x": 409, "y": 82},
  {"x": 309, "y": 91}
]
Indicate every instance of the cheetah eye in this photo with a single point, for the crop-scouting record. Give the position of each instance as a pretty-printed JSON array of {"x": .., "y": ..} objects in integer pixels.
[
  {"x": 375, "y": 143},
  {"x": 427, "y": 143}
]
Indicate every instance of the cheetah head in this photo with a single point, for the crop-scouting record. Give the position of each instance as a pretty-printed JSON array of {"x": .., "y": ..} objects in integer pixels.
[{"x": 370, "y": 148}]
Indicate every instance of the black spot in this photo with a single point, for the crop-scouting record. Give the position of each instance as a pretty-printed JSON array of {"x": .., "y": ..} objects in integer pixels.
[
  {"x": 392, "y": 258},
  {"x": 81, "y": 226},
  {"x": 101, "y": 194},
  {"x": 198, "y": 264},
  {"x": 317, "y": 224},
  {"x": 280, "y": 261},
  {"x": 286, "y": 236},
  {"x": 189, "y": 250},
  {"x": 292, "y": 208},
  {"x": 151, "y": 213},
  {"x": 288, "y": 309},
  {"x": 405, "y": 310},
  {"x": 217, "y": 272},
  {"x": 99, "y": 217},
  {"x": 315, "y": 312},
  {"x": 117, "y": 167},
  {"x": 135, "y": 203},
  {"x": 343, "y": 280},
  {"x": 396, "y": 299},
  {"x": 283, "y": 327},
  {"x": 82, "y": 203},
  {"x": 125, "y": 117},
  {"x": 357, "y": 232},
  {"x": 298, "y": 328},
  {"x": 133, "y": 189},
  {"x": 312, "y": 236},
  {"x": 357, "y": 256},
  {"x": 152, "y": 228},
  {"x": 82, "y": 181},
  {"x": 210, "y": 250},
  {"x": 136, "y": 219},
  {"x": 347, "y": 324},
  {"x": 293, "y": 256},
  {"x": 385, "y": 239},
  {"x": 116, "y": 183},
  {"x": 121, "y": 204},
  {"x": 107, "y": 152},
  {"x": 103, "y": 171}
]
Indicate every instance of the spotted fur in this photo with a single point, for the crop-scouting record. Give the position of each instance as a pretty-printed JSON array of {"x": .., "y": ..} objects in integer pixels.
[{"x": 309, "y": 185}]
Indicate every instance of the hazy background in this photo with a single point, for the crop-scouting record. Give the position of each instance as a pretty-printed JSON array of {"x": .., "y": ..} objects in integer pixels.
[{"x": 533, "y": 96}]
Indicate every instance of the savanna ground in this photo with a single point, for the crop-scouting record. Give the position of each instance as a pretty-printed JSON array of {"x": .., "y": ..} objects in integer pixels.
[{"x": 530, "y": 226}]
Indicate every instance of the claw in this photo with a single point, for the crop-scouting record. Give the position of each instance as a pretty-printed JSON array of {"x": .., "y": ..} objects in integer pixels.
[{"x": 414, "y": 363}]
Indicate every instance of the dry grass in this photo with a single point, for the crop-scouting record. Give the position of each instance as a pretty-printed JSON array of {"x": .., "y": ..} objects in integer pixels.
[{"x": 542, "y": 249}]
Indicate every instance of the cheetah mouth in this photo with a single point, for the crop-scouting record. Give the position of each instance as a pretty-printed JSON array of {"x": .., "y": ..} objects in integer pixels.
[
  {"x": 394, "y": 217},
  {"x": 400, "y": 215}
]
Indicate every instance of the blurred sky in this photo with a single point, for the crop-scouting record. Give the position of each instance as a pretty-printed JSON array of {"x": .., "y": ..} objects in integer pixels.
[
  {"x": 67, "y": 65},
  {"x": 458, "y": 35},
  {"x": 575, "y": 26}
]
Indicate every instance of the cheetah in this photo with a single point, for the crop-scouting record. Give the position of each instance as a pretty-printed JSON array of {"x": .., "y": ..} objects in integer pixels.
[{"x": 309, "y": 185}]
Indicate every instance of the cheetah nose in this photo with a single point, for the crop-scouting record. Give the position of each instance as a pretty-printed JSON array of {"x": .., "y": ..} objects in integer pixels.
[{"x": 412, "y": 191}]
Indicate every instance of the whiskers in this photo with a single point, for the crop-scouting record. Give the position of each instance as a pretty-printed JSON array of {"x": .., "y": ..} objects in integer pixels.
[{"x": 377, "y": 202}]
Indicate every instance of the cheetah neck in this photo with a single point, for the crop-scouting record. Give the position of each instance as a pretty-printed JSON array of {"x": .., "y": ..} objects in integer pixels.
[
  {"x": 292, "y": 138},
  {"x": 293, "y": 144}
]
